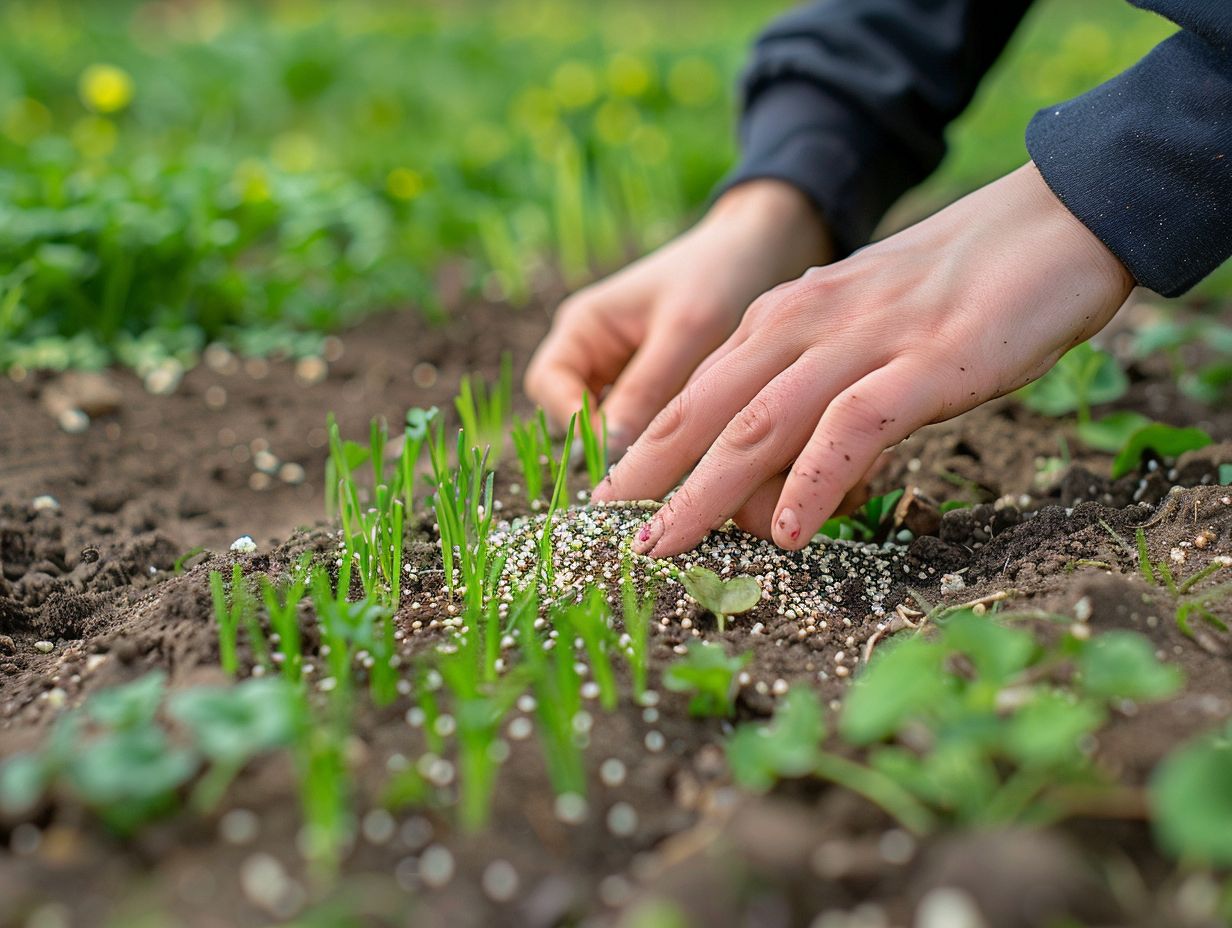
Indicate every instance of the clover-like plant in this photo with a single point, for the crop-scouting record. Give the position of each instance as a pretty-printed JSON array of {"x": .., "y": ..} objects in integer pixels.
[
  {"x": 722, "y": 598},
  {"x": 709, "y": 675}
]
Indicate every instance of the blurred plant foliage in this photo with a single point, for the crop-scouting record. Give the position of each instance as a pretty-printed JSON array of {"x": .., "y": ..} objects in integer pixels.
[{"x": 172, "y": 173}]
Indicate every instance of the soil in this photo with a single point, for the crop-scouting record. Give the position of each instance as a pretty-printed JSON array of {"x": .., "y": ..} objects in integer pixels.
[{"x": 94, "y": 573}]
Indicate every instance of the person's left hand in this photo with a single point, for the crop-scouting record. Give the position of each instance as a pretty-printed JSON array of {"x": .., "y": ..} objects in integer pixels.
[{"x": 827, "y": 371}]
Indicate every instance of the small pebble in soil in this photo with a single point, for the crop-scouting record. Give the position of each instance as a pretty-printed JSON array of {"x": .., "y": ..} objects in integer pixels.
[
  {"x": 1082, "y": 609},
  {"x": 520, "y": 728},
  {"x": 622, "y": 819},
  {"x": 239, "y": 826},
  {"x": 264, "y": 881},
  {"x": 948, "y": 907},
  {"x": 571, "y": 808},
  {"x": 500, "y": 881},
  {"x": 436, "y": 866},
  {"x": 45, "y": 647},
  {"x": 896, "y": 846},
  {"x": 46, "y": 504},
  {"x": 655, "y": 742},
  {"x": 243, "y": 545},
  {"x": 73, "y": 421}
]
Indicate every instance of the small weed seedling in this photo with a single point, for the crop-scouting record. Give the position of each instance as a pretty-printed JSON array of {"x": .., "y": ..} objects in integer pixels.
[
  {"x": 1191, "y": 798},
  {"x": 1084, "y": 377},
  {"x": 710, "y": 675},
  {"x": 722, "y": 598},
  {"x": 1165, "y": 440},
  {"x": 979, "y": 724},
  {"x": 1191, "y": 602},
  {"x": 230, "y": 726},
  {"x": 868, "y": 523},
  {"x": 483, "y": 412}
]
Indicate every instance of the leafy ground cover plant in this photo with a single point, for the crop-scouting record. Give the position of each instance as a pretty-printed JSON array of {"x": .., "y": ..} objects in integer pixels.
[
  {"x": 709, "y": 675},
  {"x": 1084, "y": 377},
  {"x": 1191, "y": 797},
  {"x": 721, "y": 597},
  {"x": 870, "y": 522},
  {"x": 979, "y": 722}
]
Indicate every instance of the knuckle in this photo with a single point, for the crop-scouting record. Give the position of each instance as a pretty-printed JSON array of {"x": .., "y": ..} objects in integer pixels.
[
  {"x": 751, "y": 428},
  {"x": 668, "y": 422}
]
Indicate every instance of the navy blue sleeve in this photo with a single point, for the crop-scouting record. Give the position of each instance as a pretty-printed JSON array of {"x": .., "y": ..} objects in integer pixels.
[
  {"x": 848, "y": 100},
  {"x": 1145, "y": 160}
]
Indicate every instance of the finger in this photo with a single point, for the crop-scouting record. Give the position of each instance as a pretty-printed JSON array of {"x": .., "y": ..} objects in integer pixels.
[
  {"x": 656, "y": 373},
  {"x": 678, "y": 436},
  {"x": 579, "y": 356},
  {"x": 875, "y": 413},
  {"x": 758, "y": 444},
  {"x": 737, "y": 338},
  {"x": 756, "y": 516}
]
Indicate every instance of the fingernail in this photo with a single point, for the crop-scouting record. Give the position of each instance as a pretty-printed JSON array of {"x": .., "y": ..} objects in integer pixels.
[
  {"x": 603, "y": 492},
  {"x": 788, "y": 524},
  {"x": 648, "y": 536}
]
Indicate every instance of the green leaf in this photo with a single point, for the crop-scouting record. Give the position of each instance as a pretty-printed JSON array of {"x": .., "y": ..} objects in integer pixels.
[
  {"x": 1225, "y": 474},
  {"x": 1166, "y": 440},
  {"x": 236, "y": 723},
  {"x": 708, "y": 672},
  {"x": 997, "y": 651},
  {"x": 1122, "y": 665},
  {"x": 132, "y": 705},
  {"x": 1191, "y": 799},
  {"x": 722, "y": 597},
  {"x": 130, "y": 773},
  {"x": 903, "y": 678},
  {"x": 23, "y": 777},
  {"x": 788, "y": 746},
  {"x": 418, "y": 421},
  {"x": 1111, "y": 432},
  {"x": 1046, "y": 731},
  {"x": 1083, "y": 378}
]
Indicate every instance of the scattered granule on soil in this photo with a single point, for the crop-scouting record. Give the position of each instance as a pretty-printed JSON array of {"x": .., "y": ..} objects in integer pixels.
[{"x": 829, "y": 578}]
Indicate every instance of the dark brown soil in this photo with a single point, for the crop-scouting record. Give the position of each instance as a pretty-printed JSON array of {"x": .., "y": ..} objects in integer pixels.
[{"x": 95, "y": 576}]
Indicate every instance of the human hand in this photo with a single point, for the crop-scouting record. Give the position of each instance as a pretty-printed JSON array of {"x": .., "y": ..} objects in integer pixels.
[
  {"x": 826, "y": 372},
  {"x": 642, "y": 331}
]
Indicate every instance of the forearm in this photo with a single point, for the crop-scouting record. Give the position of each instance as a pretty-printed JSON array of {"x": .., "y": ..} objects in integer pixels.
[
  {"x": 1145, "y": 160},
  {"x": 848, "y": 102}
]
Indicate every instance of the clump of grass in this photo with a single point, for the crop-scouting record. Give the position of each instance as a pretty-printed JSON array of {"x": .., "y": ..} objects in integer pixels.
[
  {"x": 560, "y": 492},
  {"x": 533, "y": 444},
  {"x": 234, "y": 606},
  {"x": 282, "y": 605},
  {"x": 591, "y": 619},
  {"x": 483, "y": 411},
  {"x": 637, "y": 611}
]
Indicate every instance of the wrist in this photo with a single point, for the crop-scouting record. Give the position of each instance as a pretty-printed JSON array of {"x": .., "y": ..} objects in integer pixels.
[{"x": 782, "y": 218}]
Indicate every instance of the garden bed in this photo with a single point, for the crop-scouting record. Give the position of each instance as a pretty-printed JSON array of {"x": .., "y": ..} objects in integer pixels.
[{"x": 96, "y": 592}]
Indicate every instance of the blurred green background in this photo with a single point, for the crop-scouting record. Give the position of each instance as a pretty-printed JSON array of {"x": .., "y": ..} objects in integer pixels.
[{"x": 175, "y": 171}]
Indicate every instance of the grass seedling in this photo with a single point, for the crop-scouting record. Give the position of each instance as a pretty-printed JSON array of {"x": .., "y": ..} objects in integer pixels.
[
  {"x": 478, "y": 711},
  {"x": 283, "y": 609},
  {"x": 710, "y": 675},
  {"x": 1144, "y": 558},
  {"x": 178, "y": 567},
  {"x": 557, "y": 691},
  {"x": 418, "y": 427},
  {"x": 234, "y": 607},
  {"x": 637, "y": 612},
  {"x": 559, "y": 492},
  {"x": 592, "y": 621},
  {"x": 528, "y": 443},
  {"x": 483, "y": 412},
  {"x": 594, "y": 442}
]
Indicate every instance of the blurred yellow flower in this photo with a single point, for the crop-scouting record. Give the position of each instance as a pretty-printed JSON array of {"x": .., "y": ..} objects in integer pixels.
[
  {"x": 404, "y": 183},
  {"x": 693, "y": 81},
  {"x": 628, "y": 75},
  {"x": 105, "y": 88},
  {"x": 575, "y": 85}
]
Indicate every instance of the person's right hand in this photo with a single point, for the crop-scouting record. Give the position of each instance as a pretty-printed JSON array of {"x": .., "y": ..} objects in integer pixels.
[{"x": 633, "y": 339}]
